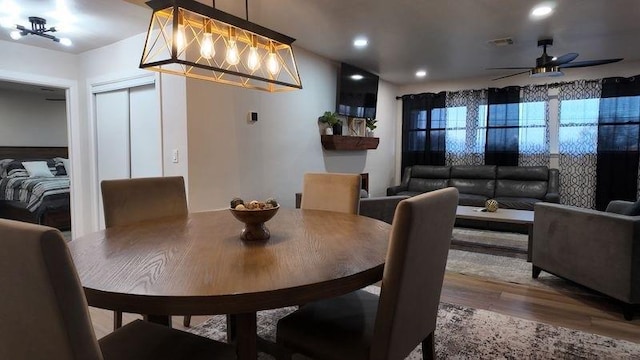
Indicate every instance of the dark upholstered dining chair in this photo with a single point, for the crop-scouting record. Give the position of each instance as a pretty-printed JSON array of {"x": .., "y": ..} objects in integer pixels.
[
  {"x": 361, "y": 325},
  {"x": 128, "y": 201},
  {"x": 44, "y": 313},
  {"x": 331, "y": 192}
]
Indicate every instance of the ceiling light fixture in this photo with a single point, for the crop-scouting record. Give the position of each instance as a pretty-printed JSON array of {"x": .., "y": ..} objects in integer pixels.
[
  {"x": 38, "y": 27},
  {"x": 421, "y": 73},
  {"x": 542, "y": 10},
  {"x": 217, "y": 46},
  {"x": 360, "y": 42}
]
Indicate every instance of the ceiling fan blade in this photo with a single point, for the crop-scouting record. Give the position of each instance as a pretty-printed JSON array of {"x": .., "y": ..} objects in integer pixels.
[
  {"x": 589, "y": 63},
  {"x": 503, "y": 77},
  {"x": 562, "y": 59},
  {"x": 510, "y": 68}
]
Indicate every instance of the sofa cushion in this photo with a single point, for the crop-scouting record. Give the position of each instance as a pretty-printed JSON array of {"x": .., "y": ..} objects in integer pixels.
[
  {"x": 482, "y": 187},
  {"x": 529, "y": 173},
  {"x": 473, "y": 171},
  {"x": 521, "y": 189},
  {"x": 430, "y": 172},
  {"x": 423, "y": 185},
  {"x": 472, "y": 200},
  {"x": 519, "y": 203}
]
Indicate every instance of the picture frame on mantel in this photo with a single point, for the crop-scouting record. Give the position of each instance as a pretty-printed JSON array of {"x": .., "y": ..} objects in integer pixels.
[{"x": 356, "y": 127}]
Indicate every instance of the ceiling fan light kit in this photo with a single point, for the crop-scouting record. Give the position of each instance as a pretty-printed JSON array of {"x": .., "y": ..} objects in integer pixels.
[
  {"x": 551, "y": 66},
  {"x": 38, "y": 28},
  {"x": 191, "y": 39}
]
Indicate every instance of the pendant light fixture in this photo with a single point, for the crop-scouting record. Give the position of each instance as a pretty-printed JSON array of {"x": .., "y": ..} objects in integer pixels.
[{"x": 191, "y": 39}]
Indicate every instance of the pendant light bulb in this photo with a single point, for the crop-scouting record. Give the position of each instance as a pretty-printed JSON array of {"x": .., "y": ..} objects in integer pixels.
[
  {"x": 180, "y": 37},
  {"x": 272, "y": 62},
  {"x": 233, "y": 57},
  {"x": 15, "y": 35},
  {"x": 253, "y": 60},
  {"x": 207, "y": 50}
]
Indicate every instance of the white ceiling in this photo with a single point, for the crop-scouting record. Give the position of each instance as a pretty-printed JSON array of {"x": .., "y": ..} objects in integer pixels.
[{"x": 447, "y": 38}]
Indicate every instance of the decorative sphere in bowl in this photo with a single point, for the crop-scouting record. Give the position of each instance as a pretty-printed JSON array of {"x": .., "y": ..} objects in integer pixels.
[{"x": 254, "y": 219}]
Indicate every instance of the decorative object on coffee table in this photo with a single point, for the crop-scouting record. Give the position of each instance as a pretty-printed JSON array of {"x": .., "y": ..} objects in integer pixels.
[
  {"x": 254, "y": 214},
  {"x": 491, "y": 205}
]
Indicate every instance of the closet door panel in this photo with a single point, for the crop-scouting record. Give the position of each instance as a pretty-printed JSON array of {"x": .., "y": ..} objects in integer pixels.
[
  {"x": 112, "y": 136},
  {"x": 146, "y": 133}
]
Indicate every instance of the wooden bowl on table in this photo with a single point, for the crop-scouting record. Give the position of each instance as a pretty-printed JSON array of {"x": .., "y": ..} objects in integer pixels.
[{"x": 254, "y": 219}]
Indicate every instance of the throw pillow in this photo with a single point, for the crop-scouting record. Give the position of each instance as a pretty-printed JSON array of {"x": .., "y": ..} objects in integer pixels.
[{"x": 37, "y": 168}]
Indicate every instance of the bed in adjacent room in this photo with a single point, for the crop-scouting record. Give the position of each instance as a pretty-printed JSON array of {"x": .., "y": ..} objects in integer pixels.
[{"x": 35, "y": 186}]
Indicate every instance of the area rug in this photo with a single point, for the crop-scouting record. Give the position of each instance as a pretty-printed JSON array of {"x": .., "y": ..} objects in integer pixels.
[
  {"x": 508, "y": 265},
  {"x": 490, "y": 242},
  {"x": 467, "y": 333}
]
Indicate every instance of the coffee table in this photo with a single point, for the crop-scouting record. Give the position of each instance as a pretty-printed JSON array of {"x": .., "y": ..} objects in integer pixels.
[
  {"x": 510, "y": 216},
  {"x": 198, "y": 265}
]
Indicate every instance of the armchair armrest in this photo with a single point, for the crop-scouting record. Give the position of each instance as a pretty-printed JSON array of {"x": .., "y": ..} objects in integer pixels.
[
  {"x": 394, "y": 190},
  {"x": 381, "y": 208},
  {"x": 596, "y": 249},
  {"x": 618, "y": 206},
  {"x": 404, "y": 185},
  {"x": 552, "y": 198}
]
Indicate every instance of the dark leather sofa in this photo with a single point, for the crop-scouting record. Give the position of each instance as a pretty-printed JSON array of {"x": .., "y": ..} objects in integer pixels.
[{"x": 514, "y": 187}]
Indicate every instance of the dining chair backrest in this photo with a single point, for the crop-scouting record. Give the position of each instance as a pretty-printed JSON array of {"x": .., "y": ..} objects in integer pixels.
[
  {"x": 127, "y": 201},
  {"x": 331, "y": 192},
  {"x": 43, "y": 311},
  {"x": 413, "y": 273}
]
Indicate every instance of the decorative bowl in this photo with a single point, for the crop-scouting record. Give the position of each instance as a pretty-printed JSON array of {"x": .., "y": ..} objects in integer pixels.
[{"x": 254, "y": 228}]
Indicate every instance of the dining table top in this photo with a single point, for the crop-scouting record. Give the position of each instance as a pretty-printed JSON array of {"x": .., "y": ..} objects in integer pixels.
[{"x": 199, "y": 265}]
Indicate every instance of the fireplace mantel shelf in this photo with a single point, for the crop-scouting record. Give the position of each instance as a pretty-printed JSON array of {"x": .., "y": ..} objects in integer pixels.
[{"x": 339, "y": 142}]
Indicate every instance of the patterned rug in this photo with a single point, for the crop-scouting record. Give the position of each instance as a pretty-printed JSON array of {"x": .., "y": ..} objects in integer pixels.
[
  {"x": 466, "y": 333},
  {"x": 508, "y": 266}
]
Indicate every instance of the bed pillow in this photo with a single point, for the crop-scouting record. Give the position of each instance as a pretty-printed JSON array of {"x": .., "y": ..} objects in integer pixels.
[
  {"x": 67, "y": 166},
  {"x": 37, "y": 168},
  {"x": 3, "y": 166}
]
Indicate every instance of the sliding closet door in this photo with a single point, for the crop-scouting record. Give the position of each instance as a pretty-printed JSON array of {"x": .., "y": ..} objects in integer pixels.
[
  {"x": 112, "y": 130},
  {"x": 128, "y": 134},
  {"x": 146, "y": 132}
]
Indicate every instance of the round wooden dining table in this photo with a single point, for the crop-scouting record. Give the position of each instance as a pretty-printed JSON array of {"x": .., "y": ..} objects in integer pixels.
[{"x": 198, "y": 265}]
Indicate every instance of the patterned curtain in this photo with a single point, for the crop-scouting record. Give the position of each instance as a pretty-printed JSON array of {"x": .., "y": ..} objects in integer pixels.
[
  {"x": 578, "y": 142},
  {"x": 534, "y": 126},
  {"x": 466, "y": 127}
]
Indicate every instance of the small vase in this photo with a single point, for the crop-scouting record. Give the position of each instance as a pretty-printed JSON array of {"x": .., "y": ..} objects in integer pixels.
[
  {"x": 337, "y": 129},
  {"x": 328, "y": 131},
  {"x": 370, "y": 133}
]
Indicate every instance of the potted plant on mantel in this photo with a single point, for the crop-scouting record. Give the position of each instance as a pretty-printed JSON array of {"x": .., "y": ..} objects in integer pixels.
[
  {"x": 333, "y": 120},
  {"x": 371, "y": 125}
]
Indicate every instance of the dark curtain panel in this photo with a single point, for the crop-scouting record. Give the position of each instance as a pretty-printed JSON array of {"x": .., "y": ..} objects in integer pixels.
[
  {"x": 618, "y": 141},
  {"x": 423, "y": 129},
  {"x": 503, "y": 121}
]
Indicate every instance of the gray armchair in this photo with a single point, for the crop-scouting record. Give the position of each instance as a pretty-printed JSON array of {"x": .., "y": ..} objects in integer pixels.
[{"x": 596, "y": 249}]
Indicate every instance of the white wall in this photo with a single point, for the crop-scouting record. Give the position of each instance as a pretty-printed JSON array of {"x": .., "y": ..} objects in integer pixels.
[
  {"x": 230, "y": 156},
  {"x": 28, "y": 119},
  {"x": 119, "y": 62}
]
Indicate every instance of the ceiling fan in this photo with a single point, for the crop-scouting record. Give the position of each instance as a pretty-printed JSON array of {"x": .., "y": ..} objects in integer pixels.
[{"x": 547, "y": 65}]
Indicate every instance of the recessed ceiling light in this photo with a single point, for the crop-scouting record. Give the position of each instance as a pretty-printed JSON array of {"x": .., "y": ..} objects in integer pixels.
[
  {"x": 357, "y": 77},
  {"x": 542, "y": 10},
  {"x": 360, "y": 42},
  {"x": 421, "y": 73},
  {"x": 65, "y": 42}
]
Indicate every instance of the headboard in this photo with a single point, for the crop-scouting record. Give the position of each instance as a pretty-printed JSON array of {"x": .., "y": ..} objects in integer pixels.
[{"x": 33, "y": 152}]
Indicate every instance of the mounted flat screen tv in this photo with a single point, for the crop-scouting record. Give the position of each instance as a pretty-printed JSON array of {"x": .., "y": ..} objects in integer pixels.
[{"x": 357, "y": 92}]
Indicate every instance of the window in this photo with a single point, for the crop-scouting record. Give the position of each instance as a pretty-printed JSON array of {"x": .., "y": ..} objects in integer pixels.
[{"x": 578, "y": 131}]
